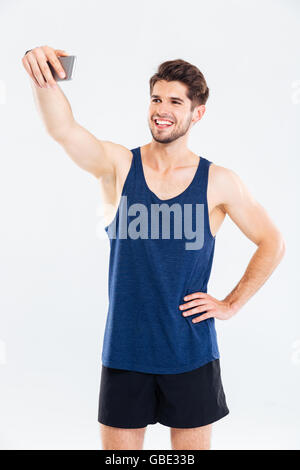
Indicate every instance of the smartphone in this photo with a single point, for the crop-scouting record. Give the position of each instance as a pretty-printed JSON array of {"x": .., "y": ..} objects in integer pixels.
[{"x": 68, "y": 64}]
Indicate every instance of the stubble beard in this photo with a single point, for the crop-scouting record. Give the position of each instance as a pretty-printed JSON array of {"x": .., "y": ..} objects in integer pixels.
[{"x": 174, "y": 134}]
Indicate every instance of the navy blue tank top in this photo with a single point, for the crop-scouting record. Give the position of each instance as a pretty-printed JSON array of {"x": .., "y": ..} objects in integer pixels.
[{"x": 160, "y": 251}]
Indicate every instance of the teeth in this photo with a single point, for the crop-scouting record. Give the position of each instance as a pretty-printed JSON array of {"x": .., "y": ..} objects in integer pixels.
[{"x": 163, "y": 122}]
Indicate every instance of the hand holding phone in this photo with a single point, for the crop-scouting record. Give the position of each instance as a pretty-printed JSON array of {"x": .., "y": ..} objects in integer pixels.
[
  {"x": 46, "y": 65},
  {"x": 68, "y": 64}
]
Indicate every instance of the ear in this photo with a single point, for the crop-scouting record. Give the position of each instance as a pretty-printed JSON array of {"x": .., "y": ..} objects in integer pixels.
[
  {"x": 198, "y": 113},
  {"x": 201, "y": 110}
]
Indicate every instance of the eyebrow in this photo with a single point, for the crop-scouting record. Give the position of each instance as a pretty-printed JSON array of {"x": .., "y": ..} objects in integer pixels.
[{"x": 171, "y": 97}]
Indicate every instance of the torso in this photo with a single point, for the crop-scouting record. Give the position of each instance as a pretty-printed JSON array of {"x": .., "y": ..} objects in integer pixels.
[{"x": 164, "y": 186}]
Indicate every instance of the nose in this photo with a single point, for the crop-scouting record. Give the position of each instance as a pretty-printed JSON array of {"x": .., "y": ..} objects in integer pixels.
[
  {"x": 163, "y": 113},
  {"x": 162, "y": 109}
]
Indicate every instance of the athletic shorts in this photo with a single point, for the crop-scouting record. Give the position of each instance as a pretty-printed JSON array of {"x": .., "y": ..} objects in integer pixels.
[{"x": 130, "y": 399}]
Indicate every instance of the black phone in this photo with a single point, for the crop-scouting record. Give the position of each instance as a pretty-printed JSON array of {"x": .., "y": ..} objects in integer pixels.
[{"x": 68, "y": 64}]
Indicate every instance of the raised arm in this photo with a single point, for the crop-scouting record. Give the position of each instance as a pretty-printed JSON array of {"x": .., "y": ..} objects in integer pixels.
[{"x": 96, "y": 156}]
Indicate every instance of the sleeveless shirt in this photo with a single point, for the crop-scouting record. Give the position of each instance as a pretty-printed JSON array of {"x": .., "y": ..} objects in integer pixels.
[{"x": 150, "y": 272}]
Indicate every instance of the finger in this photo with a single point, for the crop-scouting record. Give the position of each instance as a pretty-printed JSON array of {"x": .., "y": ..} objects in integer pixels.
[
  {"x": 44, "y": 67},
  {"x": 195, "y": 295},
  {"x": 60, "y": 52},
  {"x": 28, "y": 69},
  {"x": 52, "y": 58},
  {"x": 36, "y": 69},
  {"x": 193, "y": 303},
  {"x": 203, "y": 317},
  {"x": 195, "y": 310}
]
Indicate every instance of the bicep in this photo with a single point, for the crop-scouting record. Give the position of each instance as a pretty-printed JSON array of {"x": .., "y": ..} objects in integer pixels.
[{"x": 89, "y": 153}]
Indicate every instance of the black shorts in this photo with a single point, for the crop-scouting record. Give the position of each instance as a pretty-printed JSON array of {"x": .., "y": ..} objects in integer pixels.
[{"x": 130, "y": 399}]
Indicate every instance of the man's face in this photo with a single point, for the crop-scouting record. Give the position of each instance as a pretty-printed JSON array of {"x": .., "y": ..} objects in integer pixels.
[{"x": 169, "y": 102}]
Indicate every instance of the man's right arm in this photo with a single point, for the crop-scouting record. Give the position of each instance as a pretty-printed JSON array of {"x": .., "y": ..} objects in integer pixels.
[{"x": 96, "y": 156}]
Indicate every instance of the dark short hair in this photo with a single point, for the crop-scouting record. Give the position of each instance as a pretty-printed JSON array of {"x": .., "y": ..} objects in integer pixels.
[{"x": 184, "y": 72}]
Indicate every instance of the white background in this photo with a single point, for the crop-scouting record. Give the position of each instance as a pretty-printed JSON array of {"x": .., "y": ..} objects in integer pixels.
[{"x": 54, "y": 253}]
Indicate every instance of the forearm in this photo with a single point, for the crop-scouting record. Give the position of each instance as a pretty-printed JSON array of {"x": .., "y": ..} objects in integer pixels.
[
  {"x": 263, "y": 262},
  {"x": 54, "y": 109}
]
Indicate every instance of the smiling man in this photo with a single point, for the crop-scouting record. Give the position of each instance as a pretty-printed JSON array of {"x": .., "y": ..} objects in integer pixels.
[{"x": 160, "y": 357}]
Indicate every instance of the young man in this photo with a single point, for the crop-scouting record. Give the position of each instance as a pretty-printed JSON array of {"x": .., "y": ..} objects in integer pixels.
[{"x": 160, "y": 358}]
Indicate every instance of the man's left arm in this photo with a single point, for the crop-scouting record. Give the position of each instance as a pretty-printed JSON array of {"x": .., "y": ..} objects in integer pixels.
[{"x": 253, "y": 220}]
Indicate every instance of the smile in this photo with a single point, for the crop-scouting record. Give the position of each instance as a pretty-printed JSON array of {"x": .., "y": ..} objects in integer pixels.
[{"x": 162, "y": 124}]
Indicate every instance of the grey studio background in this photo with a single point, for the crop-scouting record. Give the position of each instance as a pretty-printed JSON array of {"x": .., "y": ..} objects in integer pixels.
[{"x": 54, "y": 252}]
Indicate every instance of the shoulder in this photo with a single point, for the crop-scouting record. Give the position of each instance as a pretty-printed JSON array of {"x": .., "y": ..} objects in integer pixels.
[
  {"x": 226, "y": 185},
  {"x": 220, "y": 174},
  {"x": 121, "y": 157},
  {"x": 119, "y": 153}
]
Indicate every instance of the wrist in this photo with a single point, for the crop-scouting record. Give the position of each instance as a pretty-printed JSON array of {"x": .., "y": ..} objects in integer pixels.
[{"x": 233, "y": 305}]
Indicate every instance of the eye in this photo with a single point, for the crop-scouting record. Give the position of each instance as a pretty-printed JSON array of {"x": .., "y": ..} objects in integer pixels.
[{"x": 157, "y": 99}]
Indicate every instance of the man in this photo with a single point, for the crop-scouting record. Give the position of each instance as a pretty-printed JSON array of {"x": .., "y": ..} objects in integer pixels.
[{"x": 160, "y": 358}]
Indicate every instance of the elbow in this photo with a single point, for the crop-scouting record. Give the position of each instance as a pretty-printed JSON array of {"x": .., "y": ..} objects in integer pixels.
[
  {"x": 275, "y": 244},
  {"x": 279, "y": 246},
  {"x": 282, "y": 247}
]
